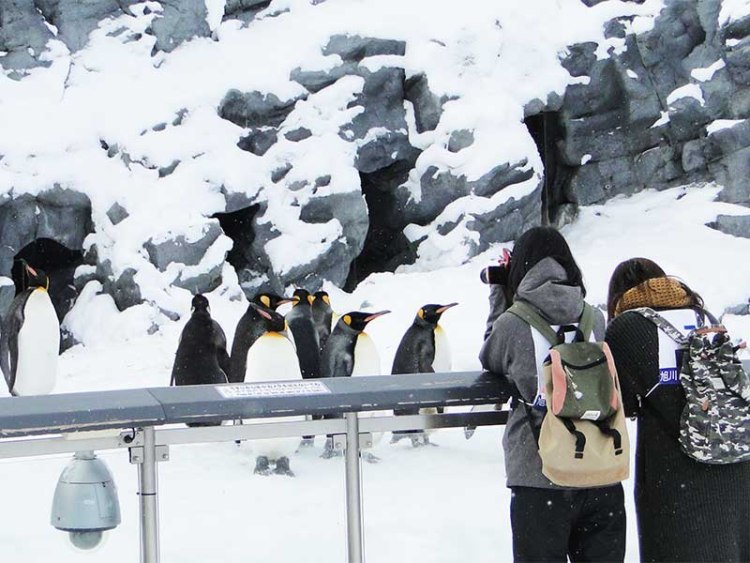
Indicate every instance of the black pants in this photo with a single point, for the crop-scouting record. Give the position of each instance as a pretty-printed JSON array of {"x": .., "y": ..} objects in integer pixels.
[{"x": 553, "y": 524}]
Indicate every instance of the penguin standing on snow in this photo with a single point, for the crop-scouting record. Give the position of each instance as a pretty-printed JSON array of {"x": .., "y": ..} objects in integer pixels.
[
  {"x": 201, "y": 356},
  {"x": 305, "y": 334},
  {"x": 423, "y": 349},
  {"x": 272, "y": 357},
  {"x": 322, "y": 317},
  {"x": 250, "y": 326},
  {"x": 351, "y": 352},
  {"x": 302, "y": 326},
  {"x": 30, "y": 339}
]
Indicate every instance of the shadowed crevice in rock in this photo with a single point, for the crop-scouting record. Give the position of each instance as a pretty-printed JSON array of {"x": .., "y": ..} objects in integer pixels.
[
  {"x": 59, "y": 263},
  {"x": 386, "y": 247},
  {"x": 239, "y": 226},
  {"x": 547, "y": 131}
]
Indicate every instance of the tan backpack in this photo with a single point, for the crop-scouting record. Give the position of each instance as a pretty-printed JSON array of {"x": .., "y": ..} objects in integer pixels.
[{"x": 583, "y": 441}]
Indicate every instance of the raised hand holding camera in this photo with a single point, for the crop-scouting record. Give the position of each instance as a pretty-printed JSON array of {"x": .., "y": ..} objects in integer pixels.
[{"x": 497, "y": 275}]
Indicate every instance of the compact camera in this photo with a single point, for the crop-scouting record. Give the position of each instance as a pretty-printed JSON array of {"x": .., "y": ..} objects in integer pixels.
[{"x": 494, "y": 275}]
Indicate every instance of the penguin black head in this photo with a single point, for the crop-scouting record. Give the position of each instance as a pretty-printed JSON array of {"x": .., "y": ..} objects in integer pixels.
[
  {"x": 322, "y": 297},
  {"x": 270, "y": 300},
  {"x": 302, "y": 297},
  {"x": 357, "y": 320},
  {"x": 274, "y": 321},
  {"x": 200, "y": 304},
  {"x": 33, "y": 277},
  {"x": 431, "y": 313}
]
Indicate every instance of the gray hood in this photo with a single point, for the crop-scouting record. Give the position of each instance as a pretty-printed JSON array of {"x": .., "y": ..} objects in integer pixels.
[{"x": 545, "y": 288}]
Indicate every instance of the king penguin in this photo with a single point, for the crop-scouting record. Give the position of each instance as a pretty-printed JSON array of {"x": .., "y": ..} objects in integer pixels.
[
  {"x": 424, "y": 348},
  {"x": 302, "y": 327},
  {"x": 201, "y": 356},
  {"x": 351, "y": 352},
  {"x": 30, "y": 339},
  {"x": 250, "y": 326},
  {"x": 322, "y": 317},
  {"x": 272, "y": 357}
]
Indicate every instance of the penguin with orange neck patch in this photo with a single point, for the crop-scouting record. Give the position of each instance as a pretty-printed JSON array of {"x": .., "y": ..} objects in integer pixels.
[
  {"x": 423, "y": 349},
  {"x": 30, "y": 338},
  {"x": 250, "y": 326},
  {"x": 272, "y": 357},
  {"x": 350, "y": 351}
]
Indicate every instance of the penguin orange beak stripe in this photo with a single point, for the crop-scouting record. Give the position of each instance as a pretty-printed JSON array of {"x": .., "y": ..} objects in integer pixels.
[
  {"x": 445, "y": 307},
  {"x": 375, "y": 315},
  {"x": 282, "y": 301}
]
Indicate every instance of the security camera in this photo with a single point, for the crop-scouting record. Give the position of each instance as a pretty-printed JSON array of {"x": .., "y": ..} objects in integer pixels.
[{"x": 85, "y": 503}]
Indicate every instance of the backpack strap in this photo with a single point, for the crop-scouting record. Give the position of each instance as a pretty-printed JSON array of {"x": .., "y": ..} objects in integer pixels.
[
  {"x": 586, "y": 324},
  {"x": 527, "y": 314},
  {"x": 662, "y": 323}
]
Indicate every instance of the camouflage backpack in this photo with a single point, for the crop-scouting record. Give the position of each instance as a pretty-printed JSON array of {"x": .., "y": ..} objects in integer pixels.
[{"x": 715, "y": 423}]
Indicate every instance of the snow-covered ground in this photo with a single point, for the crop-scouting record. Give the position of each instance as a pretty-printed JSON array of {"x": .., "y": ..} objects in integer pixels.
[{"x": 441, "y": 504}]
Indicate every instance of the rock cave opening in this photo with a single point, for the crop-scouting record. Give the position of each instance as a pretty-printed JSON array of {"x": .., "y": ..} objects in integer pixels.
[
  {"x": 547, "y": 130},
  {"x": 386, "y": 247},
  {"x": 238, "y": 225},
  {"x": 59, "y": 263}
]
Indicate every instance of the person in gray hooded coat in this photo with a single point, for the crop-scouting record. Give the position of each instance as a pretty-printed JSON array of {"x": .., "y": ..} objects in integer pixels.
[{"x": 549, "y": 523}]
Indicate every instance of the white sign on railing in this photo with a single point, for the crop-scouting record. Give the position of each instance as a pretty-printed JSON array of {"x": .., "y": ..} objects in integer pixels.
[{"x": 286, "y": 389}]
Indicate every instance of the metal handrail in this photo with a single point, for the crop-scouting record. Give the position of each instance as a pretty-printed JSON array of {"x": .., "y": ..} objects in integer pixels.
[{"x": 147, "y": 421}]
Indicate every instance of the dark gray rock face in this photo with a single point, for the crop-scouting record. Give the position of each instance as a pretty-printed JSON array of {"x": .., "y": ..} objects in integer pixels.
[
  {"x": 353, "y": 48},
  {"x": 179, "y": 22},
  {"x": 181, "y": 250},
  {"x": 23, "y": 34},
  {"x": 625, "y": 130},
  {"x": 382, "y": 99},
  {"x": 427, "y": 106},
  {"x": 60, "y": 215},
  {"x": 735, "y": 225},
  {"x": 49, "y": 230},
  {"x": 75, "y": 19},
  {"x": 460, "y": 139},
  {"x": 117, "y": 213},
  {"x": 244, "y": 10},
  {"x": 258, "y": 141},
  {"x": 254, "y": 109},
  {"x": 7, "y": 293}
]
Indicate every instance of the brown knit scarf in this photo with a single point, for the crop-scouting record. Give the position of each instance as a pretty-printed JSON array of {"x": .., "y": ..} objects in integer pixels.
[{"x": 657, "y": 293}]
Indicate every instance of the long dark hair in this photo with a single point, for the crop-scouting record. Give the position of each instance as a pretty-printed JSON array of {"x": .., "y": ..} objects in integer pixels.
[
  {"x": 535, "y": 245},
  {"x": 627, "y": 275},
  {"x": 632, "y": 273}
]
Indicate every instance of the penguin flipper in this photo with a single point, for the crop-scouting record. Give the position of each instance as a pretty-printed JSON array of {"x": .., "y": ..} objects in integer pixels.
[
  {"x": 222, "y": 356},
  {"x": 343, "y": 367},
  {"x": 9, "y": 339}
]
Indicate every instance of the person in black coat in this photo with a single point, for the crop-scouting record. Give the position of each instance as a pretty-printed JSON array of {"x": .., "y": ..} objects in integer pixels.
[{"x": 686, "y": 510}]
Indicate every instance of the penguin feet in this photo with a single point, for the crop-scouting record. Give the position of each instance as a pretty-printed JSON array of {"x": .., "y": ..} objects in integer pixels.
[
  {"x": 420, "y": 439},
  {"x": 369, "y": 457},
  {"x": 262, "y": 467},
  {"x": 329, "y": 451},
  {"x": 282, "y": 467},
  {"x": 396, "y": 437}
]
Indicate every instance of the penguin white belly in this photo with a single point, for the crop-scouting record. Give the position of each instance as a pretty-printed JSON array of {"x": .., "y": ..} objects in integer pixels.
[
  {"x": 273, "y": 358},
  {"x": 38, "y": 346},
  {"x": 367, "y": 362},
  {"x": 442, "y": 361},
  {"x": 366, "y": 357},
  {"x": 440, "y": 364}
]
